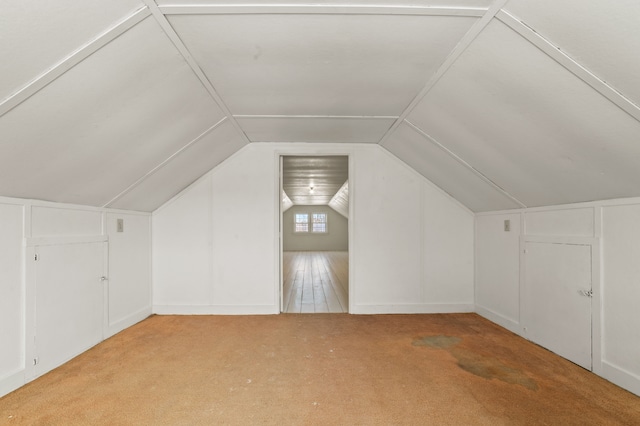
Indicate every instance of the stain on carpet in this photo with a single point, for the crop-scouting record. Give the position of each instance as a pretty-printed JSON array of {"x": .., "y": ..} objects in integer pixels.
[{"x": 477, "y": 364}]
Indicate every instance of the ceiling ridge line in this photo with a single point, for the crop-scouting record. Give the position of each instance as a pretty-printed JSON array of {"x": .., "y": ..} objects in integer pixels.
[
  {"x": 453, "y": 56},
  {"x": 359, "y": 117},
  {"x": 188, "y": 57},
  {"x": 72, "y": 59},
  {"x": 570, "y": 64},
  {"x": 164, "y": 163},
  {"x": 461, "y": 161},
  {"x": 335, "y": 9}
]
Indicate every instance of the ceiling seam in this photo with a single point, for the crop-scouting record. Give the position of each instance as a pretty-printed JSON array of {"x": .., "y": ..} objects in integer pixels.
[
  {"x": 570, "y": 64},
  {"x": 453, "y": 56},
  {"x": 462, "y": 162},
  {"x": 319, "y": 9},
  {"x": 73, "y": 59},
  {"x": 164, "y": 163},
  {"x": 354, "y": 117},
  {"x": 195, "y": 67}
]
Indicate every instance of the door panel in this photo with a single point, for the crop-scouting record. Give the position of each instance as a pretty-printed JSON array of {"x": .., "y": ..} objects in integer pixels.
[
  {"x": 69, "y": 302},
  {"x": 556, "y": 312}
]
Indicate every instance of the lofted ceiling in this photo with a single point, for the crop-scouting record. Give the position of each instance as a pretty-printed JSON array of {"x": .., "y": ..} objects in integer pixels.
[{"x": 501, "y": 103}]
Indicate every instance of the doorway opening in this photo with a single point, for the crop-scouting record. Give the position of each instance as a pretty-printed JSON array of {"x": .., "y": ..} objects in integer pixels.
[{"x": 314, "y": 229}]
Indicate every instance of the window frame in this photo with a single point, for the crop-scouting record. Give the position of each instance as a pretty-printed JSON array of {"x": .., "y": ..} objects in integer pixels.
[{"x": 309, "y": 223}]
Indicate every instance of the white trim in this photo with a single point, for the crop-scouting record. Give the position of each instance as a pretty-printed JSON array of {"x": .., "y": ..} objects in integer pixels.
[
  {"x": 12, "y": 381},
  {"x": 298, "y": 149},
  {"x": 411, "y": 308},
  {"x": 348, "y": 117},
  {"x": 216, "y": 309},
  {"x": 165, "y": 162},
  {"x": 621, "y": 377},
  {"x": 496, "y": 318},
  {"x": 126, "y": 322},
  {"x": 305, "y": 9},
  {"x": 462, "y": 45},
  {"x": 614, "y": 202},
  {"x": 597, "y": 287},
  {"x": 553, "y": 239},
  {"x": 462, "y": 162},
  {"x": 54, "y": 241},
  {"x": 186, "y": 54},
  {"x": 73, "y": 59},
  {"x": 570, "y": 64}
]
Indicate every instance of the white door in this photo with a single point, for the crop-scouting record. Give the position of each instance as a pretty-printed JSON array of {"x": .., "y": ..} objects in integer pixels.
[
  {"x": 556, "y": 311},
  {"x": 69, "y": 302}
]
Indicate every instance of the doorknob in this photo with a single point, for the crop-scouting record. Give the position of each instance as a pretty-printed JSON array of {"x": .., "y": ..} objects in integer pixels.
[
  {"x": 587, "y": 293},
  {"x": 103, "y": 279}
]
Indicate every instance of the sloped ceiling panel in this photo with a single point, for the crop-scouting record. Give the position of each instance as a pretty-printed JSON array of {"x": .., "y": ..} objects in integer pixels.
[
  {"x": 92, "y": 132},
  {"x": 37, "y": 34},
  {"x": 183, "y": 169},
  {"x": 531, "y": 126},
  {"x": 340, "y": 201},
  {"x": 315, "y": 129},
  {"x": 446, "y": 172},
  {"x": 603, "y": 36},
  {"x": 316, "y": 64}
]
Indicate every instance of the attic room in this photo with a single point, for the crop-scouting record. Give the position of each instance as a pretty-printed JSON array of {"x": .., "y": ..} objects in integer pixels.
[{"x": 493, "y": 181}]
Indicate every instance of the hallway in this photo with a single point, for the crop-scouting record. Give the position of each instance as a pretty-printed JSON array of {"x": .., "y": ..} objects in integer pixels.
[{"x": 315, "y": 282}]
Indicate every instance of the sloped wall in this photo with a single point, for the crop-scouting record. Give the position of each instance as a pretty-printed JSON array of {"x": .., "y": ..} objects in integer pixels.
[
  {"x": 216, "y": 249},
  {"x": 613, "y": 227}
]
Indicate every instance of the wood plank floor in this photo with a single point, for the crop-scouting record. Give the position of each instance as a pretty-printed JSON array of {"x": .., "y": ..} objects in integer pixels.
[{"x": 315, "y": 281}]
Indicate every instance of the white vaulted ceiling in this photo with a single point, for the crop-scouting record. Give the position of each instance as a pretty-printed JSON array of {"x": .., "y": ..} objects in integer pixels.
[{"x": 503, "y": 104}]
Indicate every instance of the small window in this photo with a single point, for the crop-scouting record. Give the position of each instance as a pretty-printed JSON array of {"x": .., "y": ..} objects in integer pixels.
[
  {"x": 302, "y": 222},
  {"x": 319, "y": 222}
]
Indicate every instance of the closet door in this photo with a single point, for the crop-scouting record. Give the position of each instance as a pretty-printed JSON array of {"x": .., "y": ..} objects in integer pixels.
[
  {"x": 556, "y": 311},
  {"x": 69, "y": 302}
]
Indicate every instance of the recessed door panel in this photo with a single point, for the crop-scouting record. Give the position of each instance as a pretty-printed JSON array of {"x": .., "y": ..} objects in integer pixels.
[
  {"x": 69, "y": 302},
  {"x": 556, "y": 311}
]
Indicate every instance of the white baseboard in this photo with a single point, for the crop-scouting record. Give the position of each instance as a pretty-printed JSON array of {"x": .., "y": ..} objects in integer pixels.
[
  {"x": 12, "y": 381},
  {"x": 621, "y": 377},
  {"x": 215, "y": 309},
  {"x": 429, "y": 308},
  {"x": 501, "y": 320},
  {"x": 128, "y": 321}
]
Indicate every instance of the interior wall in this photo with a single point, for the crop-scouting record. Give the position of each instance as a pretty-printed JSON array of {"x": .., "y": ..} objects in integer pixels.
[
  {"x": 11, "y": 298},
  {"x": 215, "y": 246},
  {"x": 27, "y": 224},
  {"x": 336, "y": 239},
  {"x": 612, "y": 228}
]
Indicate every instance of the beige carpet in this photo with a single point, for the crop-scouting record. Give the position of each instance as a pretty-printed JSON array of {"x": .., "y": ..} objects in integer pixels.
[{"x": 319, "y": 369}]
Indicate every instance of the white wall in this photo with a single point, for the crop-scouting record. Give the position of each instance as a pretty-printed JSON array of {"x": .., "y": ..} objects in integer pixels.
[
  {"x": 26, "y": 224},
  {"x": 612, "y": 228},
  {"x": 215, "y": 246},
  {"x": 336, "y": 238},
  {"x": 11, "y": 298}
]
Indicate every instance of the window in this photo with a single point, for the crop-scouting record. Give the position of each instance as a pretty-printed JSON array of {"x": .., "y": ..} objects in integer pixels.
[
  {"x": 318, "y": 223},
  {"x": 301, "y": 222}
]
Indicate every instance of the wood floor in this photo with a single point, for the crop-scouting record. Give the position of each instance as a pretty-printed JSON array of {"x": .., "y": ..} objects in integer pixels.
[{"x": 315, "y": 281}]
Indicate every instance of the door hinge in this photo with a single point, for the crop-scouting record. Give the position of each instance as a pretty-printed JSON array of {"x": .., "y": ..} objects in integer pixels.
[{"x": 35, "y": 257}]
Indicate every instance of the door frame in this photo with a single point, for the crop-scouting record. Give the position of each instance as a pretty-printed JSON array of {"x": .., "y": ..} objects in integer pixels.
[
  {"x": 596, "y": 281},
  {"x": 296, "y": 150},
  {"x": 31, "y": 245}
]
